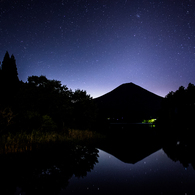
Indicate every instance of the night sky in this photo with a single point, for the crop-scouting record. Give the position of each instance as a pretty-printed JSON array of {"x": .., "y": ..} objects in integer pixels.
[{"x": 97, "y": 45}]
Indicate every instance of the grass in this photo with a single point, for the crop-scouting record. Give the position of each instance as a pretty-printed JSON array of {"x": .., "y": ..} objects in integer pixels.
[{"x": 21, "y": 142}]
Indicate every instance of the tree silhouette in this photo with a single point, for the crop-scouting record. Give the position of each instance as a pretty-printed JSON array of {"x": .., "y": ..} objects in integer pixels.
[
  {"x": 40, "y": 102},
  {"x": 178, "y": 112},
  {"x": 84, "y": 109},
  {"x": 8, "y": 79},
  {"x": 9, "y": 73},
  {"x": 42, "y": 97}
]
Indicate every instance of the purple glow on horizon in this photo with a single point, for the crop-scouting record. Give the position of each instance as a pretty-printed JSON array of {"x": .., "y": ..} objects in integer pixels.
[{"x": 99, "y": 45}]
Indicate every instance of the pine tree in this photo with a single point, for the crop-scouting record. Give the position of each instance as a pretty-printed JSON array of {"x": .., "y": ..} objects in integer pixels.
[
  {"x": 9, "y": 71},
  {"x": 9, "y": 81}
]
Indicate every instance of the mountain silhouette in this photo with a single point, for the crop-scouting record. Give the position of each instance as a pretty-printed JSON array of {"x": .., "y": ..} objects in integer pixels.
[{"x": 128, "y": 103}]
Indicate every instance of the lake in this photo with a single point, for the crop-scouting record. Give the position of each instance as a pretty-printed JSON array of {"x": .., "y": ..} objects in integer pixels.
[
  {"x": 136, "y": 166},
  {"x": 155, "y": 174}
]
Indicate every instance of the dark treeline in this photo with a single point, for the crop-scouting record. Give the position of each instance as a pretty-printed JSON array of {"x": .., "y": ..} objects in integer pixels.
[
  {"x": 176, "y": 121},
  {"x": 47, "y": 105},
  {"x": 176, "y": 118},
  {"x": 40, "y": 104}
]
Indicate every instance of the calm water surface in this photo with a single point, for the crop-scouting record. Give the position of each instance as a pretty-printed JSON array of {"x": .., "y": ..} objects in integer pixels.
[
  {"x": 127, "y": 166},
  {"x": 155, "y": 174}
]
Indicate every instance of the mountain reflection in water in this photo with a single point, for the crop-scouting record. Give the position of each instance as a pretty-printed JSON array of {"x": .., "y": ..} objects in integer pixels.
[{"x": 124, "y": 165}]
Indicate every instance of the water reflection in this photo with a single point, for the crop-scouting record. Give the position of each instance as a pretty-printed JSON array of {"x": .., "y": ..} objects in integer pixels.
[
  {"x": 181, "y": 150},
  {"x": 132, "y": 146},
  {"x": 45, "y": 171},
  {"x": 155, "y": 174},
  {"x": 133, "y": 163}
]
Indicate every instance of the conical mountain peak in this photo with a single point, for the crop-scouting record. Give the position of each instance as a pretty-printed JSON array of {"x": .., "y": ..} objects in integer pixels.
[{"x": 130, "y": 101}]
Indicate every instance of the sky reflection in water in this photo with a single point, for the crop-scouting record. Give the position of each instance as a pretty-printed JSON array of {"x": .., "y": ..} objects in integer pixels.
[{"x": 155, "y": 174}]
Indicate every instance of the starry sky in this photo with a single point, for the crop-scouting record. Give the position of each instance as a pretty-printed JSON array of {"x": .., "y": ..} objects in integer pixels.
[{"x": 97, "y": 45}]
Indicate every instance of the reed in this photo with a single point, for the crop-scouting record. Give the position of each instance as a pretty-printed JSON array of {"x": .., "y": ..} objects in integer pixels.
[{"x": 24, "y": 141}]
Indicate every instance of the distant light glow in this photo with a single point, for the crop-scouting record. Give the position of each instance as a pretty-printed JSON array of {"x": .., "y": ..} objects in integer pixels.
[{"x": 149, "y": 121}]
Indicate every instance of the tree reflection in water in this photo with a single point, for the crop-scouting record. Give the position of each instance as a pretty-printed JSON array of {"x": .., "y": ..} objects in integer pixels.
[
  {"x": 45, "y": 171},
  {"x": 182, "y": 150}
]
